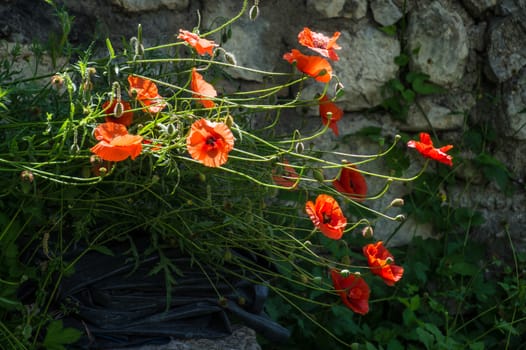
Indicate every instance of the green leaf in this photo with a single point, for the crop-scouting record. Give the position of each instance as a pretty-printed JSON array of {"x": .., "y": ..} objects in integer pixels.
[
  {"x": 57, "y": 336},
  {"x": 420, "y": 84},
  {"x": 103, "y": 250},
  {"x": 389, "y": 30},
  {"x": 402, "y": 60},
  {"x": 110, "y": 48}
]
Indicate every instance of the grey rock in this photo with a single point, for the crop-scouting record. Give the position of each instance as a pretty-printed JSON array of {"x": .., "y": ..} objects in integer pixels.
[
  {"x": 515, "y": 106},
  {"x": 506, "y": 48},
  {"x": 328, "y": 8},
  {"x": 440, "y": 39},
  {"x": 355, "y": 9},
  {"x": 385, "y": 12},
  {"x": 426, "y": 114},
  {"x": 477, "y": 7},
  {"x": 366, "y": 64},
  {"x": 148, "y": 5},
  {"x": 508, "y": 7},
  {"x": 242, "y": 338},
  {"x": 247, "y": 34}
]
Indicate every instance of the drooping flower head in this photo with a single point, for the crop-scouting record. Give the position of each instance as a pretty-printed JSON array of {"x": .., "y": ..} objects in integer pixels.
[
  {"x": 320, "y": 43},
  {"x": 326, "y": 107},
  {"x": 202, "y": 89},
  {"x": 314, "y": 66},
  {"x": 146, "y": 92},
  {"x": 115, "y": 144},
  {"x": 353, "y": 290},
  {"x": 351, "y": 183},
  {"x": 287, "y": 178},
  {"x": 381, "y": 263},
  {"x": 327, "y": 216},
  {"x": 202, "y": 46},
  {"x": 425, "y": 147},
  {"x": 118, "y": 112},
  {"x": 210, "y": 142}
]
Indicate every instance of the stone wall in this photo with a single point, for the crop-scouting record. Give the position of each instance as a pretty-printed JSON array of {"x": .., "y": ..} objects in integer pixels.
[{"x": 475, "y": 49}]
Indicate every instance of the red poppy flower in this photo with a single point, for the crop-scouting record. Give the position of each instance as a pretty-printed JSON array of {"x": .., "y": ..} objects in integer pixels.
[
  {"x": 381, "y": 263},
  {"x": 425, "y": 147},
  {"x": 202, "y": 46},
  {"x": 314, "y": 66},
  {"x": 327, "y": 107},
  {"x": 145, "y": 91},
  {"x": 111, "y": 108},
  {"x": 115, "y": 144},
  {"x": 327, "y": 216},
  {"x": 287, "y": 178},
  {"x": 353, "y": 290},
  {"x": 320, "y": 43},
  {"x": 202, "y": 89},
  {"x": 351, "y": 183},
  {"x": 209, "y": 142}
]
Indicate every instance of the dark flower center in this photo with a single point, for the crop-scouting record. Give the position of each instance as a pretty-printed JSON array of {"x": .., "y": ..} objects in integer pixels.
[{"x": 211, "y": 141}]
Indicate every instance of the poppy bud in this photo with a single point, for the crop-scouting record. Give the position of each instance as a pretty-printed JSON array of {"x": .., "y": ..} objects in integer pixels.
[
  {"x": 118, "y": 110},
  {"x": 253, "y": 13},
  {"x": 229, "y": 121},
  {"x": 230, "y": 58},
  {"x": 103, "y": 171},
  {"x": 317, "y": 280},
  {"x": 228, "y": 255},
  {"x": 27, "y": 176},
  {"x": 304, "y": 279},
  {"x": 223, "y": 302},
  {"x": 367, "y": 232},
  {"x": 397, "y": 202},
  {"x": 300, "y": 147},
  {"x": 317, "y": 173},
  {"x": 202, "y": 177},
  {"x": 346, "y": 260},
  {"x": 400, "y": 218}
]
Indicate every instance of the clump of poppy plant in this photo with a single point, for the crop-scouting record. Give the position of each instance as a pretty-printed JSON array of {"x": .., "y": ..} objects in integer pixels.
[
  {"x": 202, "y": 89},
  {"x": 426, "y": 148},
  {"x": 320, "y": 43},
  {"x": 287, "y": 178},
  {"x": 330, "y": 114},
  {"x": 327, "y": 216},
  {"x": 351, "y": 183},
  {"x": 353, "y": 290},
  {"x": 118, "y": 112},
  {"x": 314, "y": 66},
  {"x": 381, "y": 263},
  {"x": 115, "y": 144},
  {"x": 202, "y": 46},
  {"x": 146, "y": 92},
  {"x": 210, "y": 142}
]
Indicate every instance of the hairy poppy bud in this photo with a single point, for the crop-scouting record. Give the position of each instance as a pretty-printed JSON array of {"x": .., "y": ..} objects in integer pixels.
[
  {"x": 118, "y": 110},
  {"x": 397, "y": 202},
  {"x": 400, "y": 218},
  {"x": 367, "y": 232},
  {"x": 253, "y": 13},
  {"x": 317, "y": 173},
  {"x": 230, "y": 58},
  {"x": 27, "y": 176}
]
